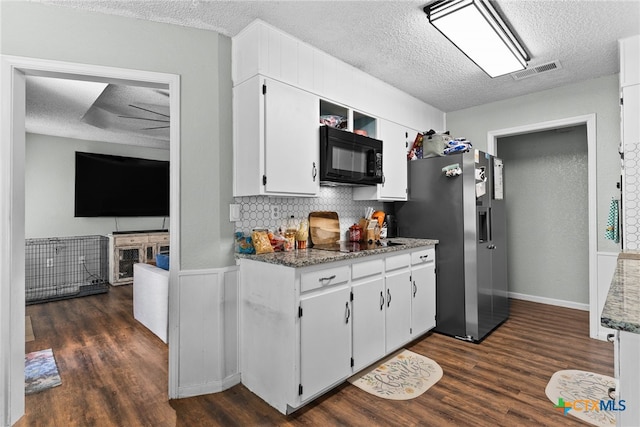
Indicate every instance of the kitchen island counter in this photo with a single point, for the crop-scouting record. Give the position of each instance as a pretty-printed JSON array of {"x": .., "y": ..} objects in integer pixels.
[
  {"x": 622, "y": 308},
  {"x": 307, "y": 257}
]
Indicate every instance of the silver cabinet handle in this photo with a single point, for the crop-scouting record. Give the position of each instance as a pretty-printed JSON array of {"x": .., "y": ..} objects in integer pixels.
[
  {"x": 611, "y": 393},
  {"x": 348, "y": 311},
  {"x": 415, "y": 289},
  {"x": 314, "y": 172},
  {"x": 611, "y": 337},
  {"x": 381, "y": 300},
  {"x": 388, "y": 298},
  {"x": 322, "y": 279},
  {"x": 423, "y": 257}
]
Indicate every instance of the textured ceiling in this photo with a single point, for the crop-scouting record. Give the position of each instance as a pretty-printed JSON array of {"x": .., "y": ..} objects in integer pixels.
[
  {"x": 393, "y": 41},
  {"x": 97, "y": 111}
]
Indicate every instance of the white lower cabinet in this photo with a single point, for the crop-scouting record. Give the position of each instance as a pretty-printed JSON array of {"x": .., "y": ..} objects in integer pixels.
[
  {"x": 423, "y": 288},
  {"x": 325, "y": 340},
  {"x": 368, "y": 313},
  {"x": 306, "y": 330},
  {"x": 398, "y": 303},
  {"x": 628, "y": 379}
]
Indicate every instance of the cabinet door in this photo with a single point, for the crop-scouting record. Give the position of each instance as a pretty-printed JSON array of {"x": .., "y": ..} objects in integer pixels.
[
  {"x": 325, "y": 347},
  {"x": 630, "y": 114},
  {"x": 126, "y": 257},
  {"x": 368, "y": 322},
  {"x": 629, "y": 384},
  {"x": 292, "y": 141},
  {"x": 398, "y": 309},
  {"x": 394, "y": 161},
  {"x": 423, "y": 298}
]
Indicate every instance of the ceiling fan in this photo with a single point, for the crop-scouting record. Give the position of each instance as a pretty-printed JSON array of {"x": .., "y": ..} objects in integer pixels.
[
  {"x": 131, "y": 109},
  {"x": 165, "y": 120}
]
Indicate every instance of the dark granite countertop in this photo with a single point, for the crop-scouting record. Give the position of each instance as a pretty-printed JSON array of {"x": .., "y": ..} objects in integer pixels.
[
  {"x": 306, "y": 257},
  {"x": 622, "y": 308}
]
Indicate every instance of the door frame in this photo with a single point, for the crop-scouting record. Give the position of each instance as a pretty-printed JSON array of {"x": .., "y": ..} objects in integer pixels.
[
  {"x": 13, "y": 70},
  {"x": 590, "y": 121}
]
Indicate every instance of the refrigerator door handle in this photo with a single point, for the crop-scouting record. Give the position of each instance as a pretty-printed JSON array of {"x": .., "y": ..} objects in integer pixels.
[{"x": 490, "y": 225}]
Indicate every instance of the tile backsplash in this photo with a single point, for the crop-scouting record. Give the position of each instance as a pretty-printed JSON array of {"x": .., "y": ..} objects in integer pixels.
[
  {"x": 632, "y": 196},
  {"x": 255, "y": 211}
]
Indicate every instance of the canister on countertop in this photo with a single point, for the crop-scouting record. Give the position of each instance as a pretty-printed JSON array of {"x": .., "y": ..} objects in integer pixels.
[{"x": 355, "y": 233}]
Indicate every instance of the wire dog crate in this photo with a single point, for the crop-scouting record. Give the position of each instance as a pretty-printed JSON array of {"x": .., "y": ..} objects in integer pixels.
[{"x": 65, "y": 267}]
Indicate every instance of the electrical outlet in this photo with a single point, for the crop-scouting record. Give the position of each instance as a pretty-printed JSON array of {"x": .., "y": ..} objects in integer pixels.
[
  {"x": 81, "y": 259},
  {"x": 49, "y": 262},
  {"x": 275, "y": 212}
]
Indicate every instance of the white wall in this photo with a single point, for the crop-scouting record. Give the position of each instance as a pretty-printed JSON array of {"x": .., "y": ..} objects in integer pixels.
[
  {"x": 546, "y": 193},
  {"x": 599, "y": 96},
  {"x": 49, "y": 188}
]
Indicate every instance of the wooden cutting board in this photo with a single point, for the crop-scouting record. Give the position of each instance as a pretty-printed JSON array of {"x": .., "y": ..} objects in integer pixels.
[{"x": 324, "y": 227}]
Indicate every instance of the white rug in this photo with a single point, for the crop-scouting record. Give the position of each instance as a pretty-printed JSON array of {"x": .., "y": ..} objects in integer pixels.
[
  {"x": 579, "y": 393},
  {"x": 402, "y": 376}
]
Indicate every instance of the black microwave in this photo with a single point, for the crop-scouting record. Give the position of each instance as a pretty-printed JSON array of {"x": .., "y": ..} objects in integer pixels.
[{"x": 349, "y": 158}]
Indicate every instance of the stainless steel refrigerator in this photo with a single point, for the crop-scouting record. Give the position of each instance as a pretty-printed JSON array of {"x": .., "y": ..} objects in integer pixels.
[{"x": 459, "y": 200}]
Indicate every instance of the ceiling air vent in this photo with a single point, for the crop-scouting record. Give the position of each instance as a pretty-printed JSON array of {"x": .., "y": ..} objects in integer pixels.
[{"x": 542, "y": 68}]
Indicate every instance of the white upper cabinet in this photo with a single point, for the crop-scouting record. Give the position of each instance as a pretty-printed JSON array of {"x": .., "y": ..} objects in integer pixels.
[
  {"x": 291, "y": 139},
  {"x": 276, "y": 139},
  {"x": 263, "y": 49},
  {"x": 394, "y": 164},
  {"x": 630, "y": 61},
  {"x": 630, "y": 132}
]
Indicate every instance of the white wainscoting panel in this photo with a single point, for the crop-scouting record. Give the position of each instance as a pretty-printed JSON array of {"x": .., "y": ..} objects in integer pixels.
[{"x": 208, "y": 349}]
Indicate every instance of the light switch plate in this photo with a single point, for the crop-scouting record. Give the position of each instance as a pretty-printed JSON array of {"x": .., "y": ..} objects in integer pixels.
[{"x": 234, "y": 212}]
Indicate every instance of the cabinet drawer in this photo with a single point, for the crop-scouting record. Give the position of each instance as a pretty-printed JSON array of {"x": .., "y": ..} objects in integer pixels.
[
  {"x": 398, "y": 261},
  {"x": 128, "y": 240},
  {"x": 366, "y": 268},
  {"x": 159, "y": 238},
  {"x": 323, "y": 278},
  {"x": 424, "y": 256}
]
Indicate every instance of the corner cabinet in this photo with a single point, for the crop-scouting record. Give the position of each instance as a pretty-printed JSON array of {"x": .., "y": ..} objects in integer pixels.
[
  {"x": 627, "y": 373},
  {"x": 395, "y": 139},
  {"x": 630, "y": 132},
  {"x": 276, "y": 139},
  {"x": 306, "y": 330}
]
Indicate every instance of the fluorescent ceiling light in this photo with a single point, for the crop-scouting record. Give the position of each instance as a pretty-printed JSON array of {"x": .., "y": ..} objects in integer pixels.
[{"x": 475, "y": 27}]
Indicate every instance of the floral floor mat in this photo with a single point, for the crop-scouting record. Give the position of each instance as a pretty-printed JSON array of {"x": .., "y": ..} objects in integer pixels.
[{"x": 404, "y": 375}]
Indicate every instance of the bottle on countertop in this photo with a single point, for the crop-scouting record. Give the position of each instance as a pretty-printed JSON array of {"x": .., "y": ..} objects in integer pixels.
[
  {"x": 302, "y": 235},
  {"x": 290, "y": 230}
]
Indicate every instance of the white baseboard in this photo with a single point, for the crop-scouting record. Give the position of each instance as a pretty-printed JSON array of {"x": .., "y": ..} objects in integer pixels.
[
  {"x": 210, "y": 387},
  {"x": 550, "y": 301}
]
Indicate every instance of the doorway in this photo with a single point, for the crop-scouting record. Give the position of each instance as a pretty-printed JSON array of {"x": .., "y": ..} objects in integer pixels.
[
  {"x": 589, "y": 120},
  {"x": 12, "y": 214},
  {"x": 547, "y": 202}
]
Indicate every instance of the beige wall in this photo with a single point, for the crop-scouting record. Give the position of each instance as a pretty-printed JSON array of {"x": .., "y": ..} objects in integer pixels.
[{"x": 203, "y": 61}]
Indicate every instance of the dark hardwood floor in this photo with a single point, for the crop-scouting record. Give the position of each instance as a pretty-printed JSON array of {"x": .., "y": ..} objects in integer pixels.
[{"x": 114, "y": 373}]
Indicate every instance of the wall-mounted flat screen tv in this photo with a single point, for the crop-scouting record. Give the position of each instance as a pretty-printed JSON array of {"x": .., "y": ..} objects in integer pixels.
[{"x": 118, "y": 186}]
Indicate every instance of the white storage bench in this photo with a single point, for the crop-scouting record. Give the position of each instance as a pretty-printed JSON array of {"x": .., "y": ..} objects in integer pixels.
[{"x": 151, "y": 298}]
